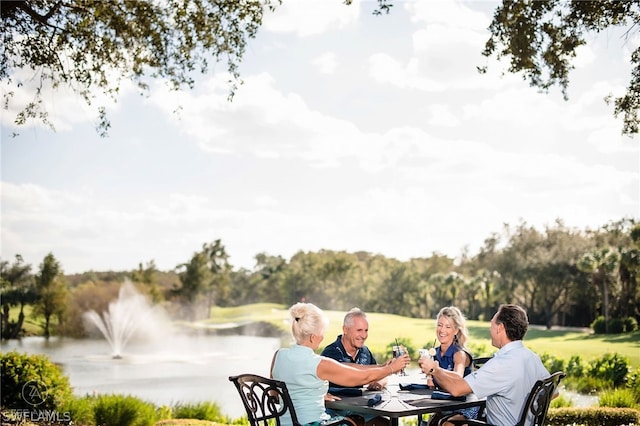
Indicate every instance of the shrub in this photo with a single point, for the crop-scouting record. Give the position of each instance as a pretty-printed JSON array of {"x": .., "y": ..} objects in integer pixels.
[
  {"x": 81, "y": 410},
  {"x": 201, "y": 411},
  {"x": 593, "y": 416},
  {"x": 633, "y": 383},
  {"x": 552, "y": 363},
  {"x": 118, "y": 410},
  {"x": 599, "y": 325},
  {"x": 616, "y": 326},
  {"x": 575, "y": 366},
  {"x": 612, "y": 368},
  {"x": 32, "y": 382},
  {"x": 620, "y": 397},
  {"x": 630, "y": 324}
]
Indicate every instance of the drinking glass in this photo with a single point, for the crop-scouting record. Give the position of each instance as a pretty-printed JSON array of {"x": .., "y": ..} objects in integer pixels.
[{"x": 398, "y": 351}]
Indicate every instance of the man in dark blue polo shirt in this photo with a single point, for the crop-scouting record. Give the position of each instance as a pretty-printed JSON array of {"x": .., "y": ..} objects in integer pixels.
[{"x": 349, "y": 347}]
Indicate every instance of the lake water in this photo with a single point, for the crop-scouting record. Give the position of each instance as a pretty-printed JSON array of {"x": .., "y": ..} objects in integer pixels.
[{"x": 182, "y": 369}]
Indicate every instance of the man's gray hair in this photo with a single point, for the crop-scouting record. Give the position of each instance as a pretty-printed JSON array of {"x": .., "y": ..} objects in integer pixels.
[{"x": 353, "y": 313}]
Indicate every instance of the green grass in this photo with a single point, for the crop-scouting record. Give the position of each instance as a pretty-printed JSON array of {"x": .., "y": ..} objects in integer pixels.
[{"x": 385, "y": 328}]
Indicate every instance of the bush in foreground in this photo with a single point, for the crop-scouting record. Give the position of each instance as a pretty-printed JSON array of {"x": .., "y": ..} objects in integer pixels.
[
  {"x": 32, "y": 381},
  {"x": 202, "y": 411},
  {"x": 593, "y": 416},
  {"x": 118, "y": 410}
]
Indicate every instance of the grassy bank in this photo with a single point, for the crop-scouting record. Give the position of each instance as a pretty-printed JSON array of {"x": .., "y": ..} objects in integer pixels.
[{"x": 385, "y": 328}]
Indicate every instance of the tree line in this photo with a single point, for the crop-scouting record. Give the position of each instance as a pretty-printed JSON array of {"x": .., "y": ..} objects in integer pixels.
[{"x": 561, "y": 275}]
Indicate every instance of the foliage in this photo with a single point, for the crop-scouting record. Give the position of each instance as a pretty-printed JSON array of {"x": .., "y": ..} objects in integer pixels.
[
  {"x": 99, "y": 44},
  {"x": 89, "y": 296},
  {"x": 201, "y": 411},
  {"x": 560, "y": 275},
  {"x": 118, "y": 410},
  {"x": 620, "y": 397},
  {"x": 553, "y": 363},
  {"x": 32, "y": 380},
  {"x": 540, "y": 39},
  {"x": 593, "y": 416},
  {"x": 633, "y": 383},
  {"x": 599, "y": 325},
  {"x": 614, "y": 325},
  {"x": 51, "y": 290},
  {"x": 561, "y": 401},
  {"x": 16, "y": 289},
  {"x": 612, "y": 368},
  {"x": 575, "y": 367},
  {"x": 630, "y": 324},
  {"x": 81, "y": 410}
]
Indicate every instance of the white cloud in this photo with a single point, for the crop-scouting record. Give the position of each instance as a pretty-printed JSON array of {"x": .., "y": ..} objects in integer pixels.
[
  {"x": 310, "y": 17},
  {"x": 326, "y": 63}
]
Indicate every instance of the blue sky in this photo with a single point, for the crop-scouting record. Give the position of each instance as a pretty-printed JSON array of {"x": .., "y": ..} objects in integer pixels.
[{"x": 351, "y": 132}]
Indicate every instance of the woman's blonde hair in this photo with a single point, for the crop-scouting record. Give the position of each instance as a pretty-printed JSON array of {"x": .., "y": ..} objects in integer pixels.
[
  {"x": 459, "y": 321},
  {"x": 307, "y": 319}
]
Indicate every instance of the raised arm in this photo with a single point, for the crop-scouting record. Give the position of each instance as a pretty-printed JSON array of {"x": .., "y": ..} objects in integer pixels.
[{"x": 345, "y": 374}]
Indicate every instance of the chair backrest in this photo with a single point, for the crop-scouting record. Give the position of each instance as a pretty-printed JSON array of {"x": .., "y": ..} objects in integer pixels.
[
  {"x": 480, "y": 361},
  {"x": 539, "y": 399},
  {"x": 264, "y": 399}
]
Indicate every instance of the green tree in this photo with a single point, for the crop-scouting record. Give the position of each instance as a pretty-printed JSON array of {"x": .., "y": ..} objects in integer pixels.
[
  {"x": 51, "y": 292},
  {"x": 218, "y": 262},
  {"x": 540, "y": 39},
  {"x": 16, "y": 289},
  {"x": 147, "y": 275},
  {"x": 601, "y": 264},
  {"x": 195, "y": 278}
]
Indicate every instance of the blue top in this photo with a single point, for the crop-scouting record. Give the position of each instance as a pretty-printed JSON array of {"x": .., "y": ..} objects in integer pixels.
[
  {"x": 297, "y": 367},
  {"x": 506, "y": 380},
  {"x": 446, "y": 360},
  {"x": 337, "y": 351}
]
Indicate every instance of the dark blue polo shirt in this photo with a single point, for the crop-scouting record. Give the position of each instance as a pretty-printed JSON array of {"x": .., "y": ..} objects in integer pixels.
[{"x": 337, "y": 351}]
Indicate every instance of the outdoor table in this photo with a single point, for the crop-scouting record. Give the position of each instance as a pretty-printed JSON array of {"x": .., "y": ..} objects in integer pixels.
[{"x": 398, "y": 403}]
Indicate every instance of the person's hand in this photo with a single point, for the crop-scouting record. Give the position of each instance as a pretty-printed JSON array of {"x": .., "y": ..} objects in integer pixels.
[
  {"x": 330, "y": 397},
  {"x": 427, "y": 365},
  {"x": 399, "y": 363},
  {"x": 376, "y": 386}
]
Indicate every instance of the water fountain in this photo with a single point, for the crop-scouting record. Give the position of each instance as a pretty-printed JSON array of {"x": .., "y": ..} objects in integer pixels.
[{"x": 131, "y": 314}]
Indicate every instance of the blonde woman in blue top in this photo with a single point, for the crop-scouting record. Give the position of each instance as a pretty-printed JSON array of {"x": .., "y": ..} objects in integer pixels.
[
  {"x": 452, "y": 355},
  {"x": 307, "y": 374}
]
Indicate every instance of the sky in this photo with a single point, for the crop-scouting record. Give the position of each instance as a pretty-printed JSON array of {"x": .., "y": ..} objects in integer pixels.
[{"x": 351, "y": 132}]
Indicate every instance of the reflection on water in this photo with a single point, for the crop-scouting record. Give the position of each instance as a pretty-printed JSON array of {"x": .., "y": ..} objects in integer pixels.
[{"x": 184, "y": 369}]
